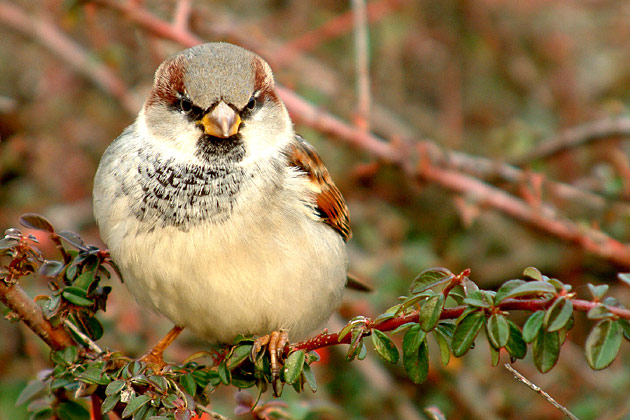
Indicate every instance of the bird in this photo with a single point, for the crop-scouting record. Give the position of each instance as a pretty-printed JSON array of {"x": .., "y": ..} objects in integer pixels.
[{"x": 218, "y": 215}]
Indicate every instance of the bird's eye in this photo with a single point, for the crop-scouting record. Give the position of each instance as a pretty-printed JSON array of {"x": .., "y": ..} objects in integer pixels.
[
  {"x": 185, "y": 105},
  {"x": 251, "y": 104}
]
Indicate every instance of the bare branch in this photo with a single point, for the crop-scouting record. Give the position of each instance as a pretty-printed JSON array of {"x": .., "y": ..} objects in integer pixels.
[
  {"x": 182, "y": 14},
  {"x": 540, "y": 391},
  {"x": 578, "y": 136},
  {"x": 362, "y": 117}
]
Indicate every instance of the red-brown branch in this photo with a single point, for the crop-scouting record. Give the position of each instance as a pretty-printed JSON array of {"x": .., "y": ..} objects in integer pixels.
[
  {"x": 325, "y": 340},
  {"x": 31, "y": 314}
]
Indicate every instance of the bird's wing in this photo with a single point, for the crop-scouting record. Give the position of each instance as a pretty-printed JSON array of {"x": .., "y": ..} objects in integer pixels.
[{"x": 331, "y": 206}]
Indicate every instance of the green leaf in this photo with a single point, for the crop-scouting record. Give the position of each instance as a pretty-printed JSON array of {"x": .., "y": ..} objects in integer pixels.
[
  {"x": 384, "y": 346},
  {"x": 224, "y": 373},
  {"x": 531, "y": 288},
  {"x": 110, "y": 402},
  {"x": 134, "y": 405},
  {"x": 309, "y": 377},
  {"x": 187, "y": 381},
  {"x": 533, "y": 273},
  {"x": 532, "y": 325},
  {"x": 93, "y": 328},
  {"x": 94, "y": 375},
  {"x": 418, "y": 367},
  {"x": 558, "y": 314},
  {"x": 114, "y": 387},
  {"x": 498, "y": 330},
  {"x": 506, "y": 288},
  {"x": 416, "y": 354},
  {"x": 402, "y": 327},
  {"x": 51, "y": 268},
  {"x": 37, "y": 222},
  {"x": 32, "y": 389},
  {"x": 477, "y": 299},
  {"x": 70, "y": 410},
  {"x": 412, "y": 340},
  {"x": 238, "y": 355},
  {"x": 84, "y": 280},
  {"x": 599, "y": 312},
  {"x": 445, "y": 351},
  {"x": 293, "y": 366},
  {"x": 65, "y": 357},
  {"x": 597, "y": 291},
  {"x": 430, "y": 312},
  {"x": 430, "y": 278},
  {"x": 76, "y": 296},
  {"x": 516, "y": 344},
  {"x": 73, "y": 239},
  {"x": 494, "y": 355},
  {"x": 546, "y": 350},
  {"x": 466, "y": 331},
  {"x": 603, "y": 344}
]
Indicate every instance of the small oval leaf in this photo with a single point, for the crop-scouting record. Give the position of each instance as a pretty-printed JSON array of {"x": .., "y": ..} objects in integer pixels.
[
  {"x": 603, "y": 344},
  {"x": 546, "y": 350},
  {"x": 532, "y": 325},
  {"x": 430, "y": 312},
  {"x": 37, "y": 222},
  {"x": 516, "y": 344},
  {"x": 466, "y": 331},
  {"x": 294, "y": 366},
  {"x": 558, "y": 314},
  {"x": 429, "y": 278},
  {"x": 384, "y": 346},
  {"x": 498, "y": 330},
  {"x": 531, "y": 288}
]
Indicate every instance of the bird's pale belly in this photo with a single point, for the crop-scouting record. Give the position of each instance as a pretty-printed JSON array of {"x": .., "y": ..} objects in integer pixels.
[{"x": 220, "y": 285}]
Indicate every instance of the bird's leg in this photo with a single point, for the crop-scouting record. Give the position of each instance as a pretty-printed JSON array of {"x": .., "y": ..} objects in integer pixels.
[
  {"x": 275, "y": 342},
  {"x": 155, "y": 357}
]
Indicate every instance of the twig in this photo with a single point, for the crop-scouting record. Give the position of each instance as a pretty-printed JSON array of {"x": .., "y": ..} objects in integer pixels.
[
  {"x": 182, "y": 14},
  {"x": 362, "y": 117},
  {"x": 333, "y": 28},
  {"x": 578, "y": 136},
  {"x": 14, "y": 297},
  {"x": 91, "y": 344},
  {"x": 540, "y": 391},
  {"x": 60, "y": 44}
]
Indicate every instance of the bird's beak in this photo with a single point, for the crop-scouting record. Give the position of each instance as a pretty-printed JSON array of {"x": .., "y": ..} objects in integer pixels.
[{"x": 222, "y": 121}]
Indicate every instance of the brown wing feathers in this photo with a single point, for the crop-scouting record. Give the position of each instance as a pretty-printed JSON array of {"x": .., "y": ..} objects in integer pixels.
[{"x": 330, "y": 204}]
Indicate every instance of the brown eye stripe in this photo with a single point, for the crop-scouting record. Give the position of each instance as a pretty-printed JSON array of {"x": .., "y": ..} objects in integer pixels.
[
  {"x": 263, "y": 82},
  {"x": 169, "y": 81}
]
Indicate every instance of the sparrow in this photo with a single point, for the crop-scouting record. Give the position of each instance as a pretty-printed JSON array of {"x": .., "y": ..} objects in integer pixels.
[{"x": 219, "y": 216}]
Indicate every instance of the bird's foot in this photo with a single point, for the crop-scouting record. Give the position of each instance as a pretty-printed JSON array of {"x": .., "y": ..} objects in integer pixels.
[
  {"x": 275, "y": 343},
  {"x": 154, "y": 359}
]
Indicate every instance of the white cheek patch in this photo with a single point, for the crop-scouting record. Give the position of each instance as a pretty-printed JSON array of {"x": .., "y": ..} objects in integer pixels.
[
  {"x": 268, "y": 132},
  {"x": 177, "y": 140}
]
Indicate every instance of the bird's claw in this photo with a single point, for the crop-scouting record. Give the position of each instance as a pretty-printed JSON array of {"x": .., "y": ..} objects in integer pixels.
[{"x": 275, "y": 343}]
